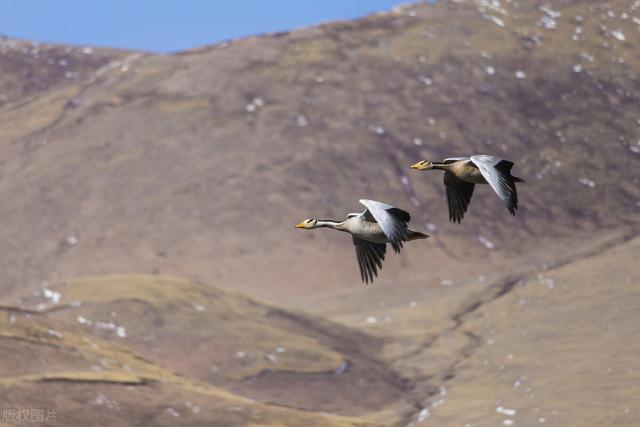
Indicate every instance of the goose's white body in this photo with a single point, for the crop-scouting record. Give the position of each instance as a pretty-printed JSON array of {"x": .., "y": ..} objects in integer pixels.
[
  {"x": 461, "y": 174},
  {"x": 371, "y": 230},
  {"x": 366, "y": 230}
]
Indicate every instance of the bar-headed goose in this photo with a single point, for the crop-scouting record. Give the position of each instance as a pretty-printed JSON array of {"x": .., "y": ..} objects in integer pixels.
[
  {"x": 462, "y": 173},
  {"x": 371, "y": 230}
]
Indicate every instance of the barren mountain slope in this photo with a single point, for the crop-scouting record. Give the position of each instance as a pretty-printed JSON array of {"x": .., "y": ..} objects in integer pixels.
[
  {"x": 133, "y": 347},
  {"x": 28, "y": 68},
  {"x": 557, "y": 349},
  {"x": 200, "y": 163}
]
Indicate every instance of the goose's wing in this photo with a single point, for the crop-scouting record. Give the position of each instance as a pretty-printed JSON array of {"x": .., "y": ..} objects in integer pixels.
[
  {"x": 453, "y": 159},
  {"x": 497, "y": 172},
  {"x": 393, "y": 221},
  {"x": 370, "y": 256},
  {"x": 458, "y": 196}
]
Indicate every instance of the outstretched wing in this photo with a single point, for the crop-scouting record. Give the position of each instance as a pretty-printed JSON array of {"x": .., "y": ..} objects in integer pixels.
[
  {"x": 370, "y": 256},
  {"x": 458, "y": 196},
  {"x": 497, "y": 172},
  {"x": 393, "y": 221}
]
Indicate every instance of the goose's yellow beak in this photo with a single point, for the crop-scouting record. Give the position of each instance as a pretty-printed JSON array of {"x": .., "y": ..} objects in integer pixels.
[
  {"x": 301, "y": 225},
  {"x": 421, "y": 165}
]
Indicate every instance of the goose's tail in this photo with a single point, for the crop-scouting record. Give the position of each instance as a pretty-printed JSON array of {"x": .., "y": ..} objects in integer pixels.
[{"x": 415, "y": 235}]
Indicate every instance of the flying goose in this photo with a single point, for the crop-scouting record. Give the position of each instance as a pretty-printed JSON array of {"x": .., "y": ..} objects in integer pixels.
[
  {"x": 462, "y": 173},
  {"x": 371, "y": 230}
]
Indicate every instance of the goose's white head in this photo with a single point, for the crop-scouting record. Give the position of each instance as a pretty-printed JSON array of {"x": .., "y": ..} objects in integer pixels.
[
  {"x": 422, "y": 165},
  {"x": 308, "y": 223}
]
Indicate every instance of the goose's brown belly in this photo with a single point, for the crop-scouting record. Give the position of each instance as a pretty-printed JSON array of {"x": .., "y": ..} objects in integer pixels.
[{"x": 468, "y": 173}]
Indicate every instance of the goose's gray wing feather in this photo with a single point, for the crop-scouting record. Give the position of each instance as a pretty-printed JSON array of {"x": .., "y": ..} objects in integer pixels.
[
  {"x": 393, "y": 221},
  {"x": 454, "y": 159},
  {"x": 370, "y": 256},
  {"x": 497, "y": 172},
  {"x": 458, "y": 196}
]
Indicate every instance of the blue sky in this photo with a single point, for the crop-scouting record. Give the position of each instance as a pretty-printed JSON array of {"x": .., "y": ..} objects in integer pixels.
[{"x": 168, "y": 25}]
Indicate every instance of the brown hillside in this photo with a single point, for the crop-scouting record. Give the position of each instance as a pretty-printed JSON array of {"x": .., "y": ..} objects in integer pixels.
[
  {"x": 144, "y": 167},
  {"x": 213, "y": 189},
  {"x": 28, "y": 68}
]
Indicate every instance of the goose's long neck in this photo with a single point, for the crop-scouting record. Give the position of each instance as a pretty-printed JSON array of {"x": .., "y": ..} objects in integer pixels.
[
  {"x": 337, "y": 225},
  {"x": 441, "y": 166}
]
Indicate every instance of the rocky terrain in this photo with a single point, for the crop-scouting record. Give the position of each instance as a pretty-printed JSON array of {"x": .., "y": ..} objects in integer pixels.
[{"x": 151, "y": 275}]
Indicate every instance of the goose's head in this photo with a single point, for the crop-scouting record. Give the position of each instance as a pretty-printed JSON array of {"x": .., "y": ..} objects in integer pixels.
[
  {"x": 308, "y": 223},
  {"x": 422, "y": 165}
]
